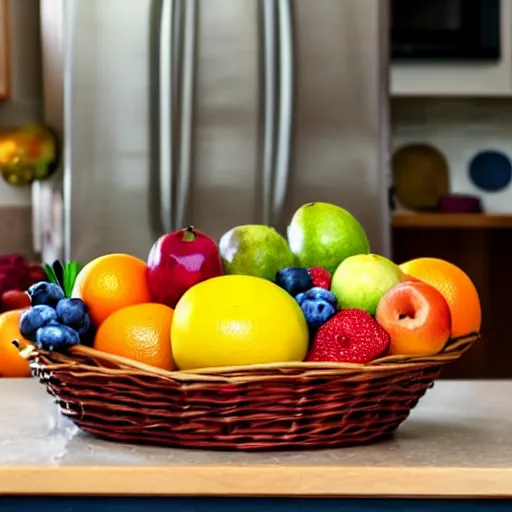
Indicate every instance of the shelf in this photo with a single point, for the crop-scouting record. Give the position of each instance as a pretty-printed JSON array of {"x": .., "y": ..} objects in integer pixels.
[{"x": 451, "y": 221}]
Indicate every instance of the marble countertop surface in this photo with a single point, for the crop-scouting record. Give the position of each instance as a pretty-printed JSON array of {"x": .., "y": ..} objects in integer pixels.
[{"x": 456, "y": 443}]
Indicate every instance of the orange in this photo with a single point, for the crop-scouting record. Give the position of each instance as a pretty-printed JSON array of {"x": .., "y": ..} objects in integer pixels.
[
  {"x": 456, "y": 287},
  {"x": 112, "y": 282},
  {"x": 141, "y": 332},
  {"x": 11, "y": 363}
]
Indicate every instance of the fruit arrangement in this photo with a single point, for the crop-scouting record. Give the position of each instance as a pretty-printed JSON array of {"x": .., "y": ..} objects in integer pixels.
[
  {"x": 257, "y": 342},
  {"x": 256, "y": 297}
]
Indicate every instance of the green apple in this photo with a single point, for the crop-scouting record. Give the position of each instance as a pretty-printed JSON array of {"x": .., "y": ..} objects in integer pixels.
[
  {"x": 360, "y": 281},
  {"x": 254, "y": 250},
  {"x": 323, "y": 235}
]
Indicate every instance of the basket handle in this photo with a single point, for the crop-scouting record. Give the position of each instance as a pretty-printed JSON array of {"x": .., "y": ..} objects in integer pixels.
[{"x": 29, "y": 351}]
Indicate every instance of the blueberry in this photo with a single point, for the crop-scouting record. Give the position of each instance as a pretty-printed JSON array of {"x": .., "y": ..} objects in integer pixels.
[
  {"x": 45, "y": 293},
  {"x": 317, "y": 312},
  {"x": 300, "y": 298},
  {"x": 84, "y": 326},
  {"x": 321, "y": 293},
  {"x": 294, "y": 280},
  {"x": 56, "y": 337},
  {"x": 34, "y": 318},
  {"x": 71, "y": 311}
]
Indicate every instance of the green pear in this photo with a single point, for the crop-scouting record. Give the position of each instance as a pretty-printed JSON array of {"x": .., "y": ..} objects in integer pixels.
[
  {"x": 323, "y": 235},
  {"x": 360, "y": 281},
  {"x": 254, "y": 250}
]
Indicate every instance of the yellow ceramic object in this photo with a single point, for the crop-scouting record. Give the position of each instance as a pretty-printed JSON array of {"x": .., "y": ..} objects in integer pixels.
[
  {"x": 420, "y": 176},
  {"x": 27, "y": 153}
]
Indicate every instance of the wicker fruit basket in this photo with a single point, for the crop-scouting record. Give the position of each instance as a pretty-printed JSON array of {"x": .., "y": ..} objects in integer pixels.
[{"x": 263, "y": 407}]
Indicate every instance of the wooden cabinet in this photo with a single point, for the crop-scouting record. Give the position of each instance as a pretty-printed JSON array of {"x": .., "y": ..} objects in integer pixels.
[
  {"x": 4, "y": 50},
  {"x": 482, "y": 246},
  {"x": 491, "y": 79}
]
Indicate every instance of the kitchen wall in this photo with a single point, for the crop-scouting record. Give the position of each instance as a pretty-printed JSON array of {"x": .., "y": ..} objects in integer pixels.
[
  {"x": 24, "y": 104},
  {"x": 459, "y": 128}
]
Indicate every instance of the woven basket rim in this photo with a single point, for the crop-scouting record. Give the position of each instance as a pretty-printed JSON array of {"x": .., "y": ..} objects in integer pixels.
[
  {"x": 255, "y": 407},
  {"x": 452, "y": 351}
]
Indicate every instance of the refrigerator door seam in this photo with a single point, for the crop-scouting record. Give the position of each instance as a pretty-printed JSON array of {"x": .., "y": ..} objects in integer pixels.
[
  {"x": 186, "y": 121},
  {"x": 286, "y": 100},
  {"x": 155, "y": 26},
  {"x": 268, "y": 16}
]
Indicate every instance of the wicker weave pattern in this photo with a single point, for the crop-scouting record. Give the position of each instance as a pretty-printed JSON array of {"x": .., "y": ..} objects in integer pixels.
[{"x": 248, "y": 408}]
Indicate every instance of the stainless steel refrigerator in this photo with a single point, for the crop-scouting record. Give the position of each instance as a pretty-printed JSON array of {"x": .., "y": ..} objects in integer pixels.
[{"x": 210, "y": 113}]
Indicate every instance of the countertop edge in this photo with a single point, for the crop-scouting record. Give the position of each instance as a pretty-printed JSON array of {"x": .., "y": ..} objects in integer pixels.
[{"x": 258, "y": 481}]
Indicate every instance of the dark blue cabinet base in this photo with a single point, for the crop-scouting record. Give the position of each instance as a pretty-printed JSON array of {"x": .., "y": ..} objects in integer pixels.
[{"x": 77, "y": 504}]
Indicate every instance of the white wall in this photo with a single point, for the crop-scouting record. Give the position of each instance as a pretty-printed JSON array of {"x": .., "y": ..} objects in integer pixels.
[
  {"x": 24, "y": 104},
  {"x": 459, "y": 128}
]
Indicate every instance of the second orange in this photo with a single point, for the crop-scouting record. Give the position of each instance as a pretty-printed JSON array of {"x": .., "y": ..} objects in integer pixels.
[{"x": 112, "y": 282}]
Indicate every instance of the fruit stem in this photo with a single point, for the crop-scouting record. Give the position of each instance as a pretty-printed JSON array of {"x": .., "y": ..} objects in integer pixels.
[{"x": 189, "y": 234}]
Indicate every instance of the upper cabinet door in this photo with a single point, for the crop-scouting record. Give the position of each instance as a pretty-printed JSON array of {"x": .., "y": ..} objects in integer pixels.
[
  {"x": 4, "y": 51},
  {"x": 465, "y": 77}
]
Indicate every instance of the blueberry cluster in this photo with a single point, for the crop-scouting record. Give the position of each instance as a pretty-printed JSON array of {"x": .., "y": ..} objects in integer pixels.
[
  {"x": 317, "y": 304},
  {"x": 54, "y": 321}
]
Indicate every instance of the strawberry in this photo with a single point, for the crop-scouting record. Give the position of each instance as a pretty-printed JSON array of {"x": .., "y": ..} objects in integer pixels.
[
  {"x": 350, "y": 336},
  {"x": 320, "y": 277},
  {"x": 14, "y": 299}
]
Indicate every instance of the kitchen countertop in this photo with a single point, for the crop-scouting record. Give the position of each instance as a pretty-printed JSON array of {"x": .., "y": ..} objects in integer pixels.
[{"x": 456, "y": 443}]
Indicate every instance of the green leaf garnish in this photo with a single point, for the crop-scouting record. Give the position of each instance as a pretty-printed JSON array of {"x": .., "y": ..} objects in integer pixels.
[
  {"x": 71, "y": 270},
  {"x": 50, "y": 274},
  {"x": 59, "y": 272},
  {"x": 69, "y": 274}
]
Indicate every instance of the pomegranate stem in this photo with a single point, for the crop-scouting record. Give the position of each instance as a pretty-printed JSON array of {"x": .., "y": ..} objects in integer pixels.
[{"x": 189, "y": 234}]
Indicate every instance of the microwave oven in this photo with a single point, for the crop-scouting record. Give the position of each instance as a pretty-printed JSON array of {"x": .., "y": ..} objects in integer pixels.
[{"x": 445, "y": 29}]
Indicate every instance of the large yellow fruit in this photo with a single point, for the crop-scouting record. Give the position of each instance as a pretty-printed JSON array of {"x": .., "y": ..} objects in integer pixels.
[{"x": 237, "y": 320}]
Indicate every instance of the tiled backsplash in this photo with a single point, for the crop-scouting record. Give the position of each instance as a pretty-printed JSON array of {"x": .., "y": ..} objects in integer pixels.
[{"x": 459, "y": 128}]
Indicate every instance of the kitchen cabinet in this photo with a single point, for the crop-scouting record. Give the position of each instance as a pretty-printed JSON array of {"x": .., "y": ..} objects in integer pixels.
[
  {"x": 471, "y": 79},
  {"x": 480, "y": 244},
  {"x": 4, "y": 50}
]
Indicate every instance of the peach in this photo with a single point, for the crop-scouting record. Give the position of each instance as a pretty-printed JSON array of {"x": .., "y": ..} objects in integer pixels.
[{"x": 417, "y": 318}]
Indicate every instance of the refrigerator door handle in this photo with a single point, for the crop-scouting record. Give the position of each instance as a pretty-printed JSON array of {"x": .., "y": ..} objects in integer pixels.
[
  {"x": 166, "y": 93},
  {"x": 286, "y": 100},
  {"x": 37, "y": 235},
  {"x": 182, "y": 198},
  {"x": 269, "y": 28}
]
